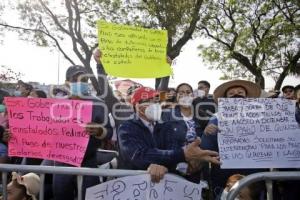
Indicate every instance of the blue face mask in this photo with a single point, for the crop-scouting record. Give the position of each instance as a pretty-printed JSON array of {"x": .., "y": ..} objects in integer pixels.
[
  {"x": 17, "y": 93},
  {"x": 2, "y": 108},
  {"x": 79, "y": 89}
]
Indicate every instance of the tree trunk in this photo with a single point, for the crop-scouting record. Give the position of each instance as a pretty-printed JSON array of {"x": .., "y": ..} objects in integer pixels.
[
  {"x": 281, "y": 78},
  {"x": 260, "y": 80}
]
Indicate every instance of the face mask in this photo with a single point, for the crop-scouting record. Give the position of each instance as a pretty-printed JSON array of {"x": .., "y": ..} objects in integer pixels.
[
  {"x": 2, "y": 108},
  {"x": 237, "y": 96},
  {"x": 17, "y": 93},
  {"x": 79, "y": 89},
  {"x": 186, "y": 101},
  {"x": 153, "y": 112},
  {"x": 200, "y": 93}
]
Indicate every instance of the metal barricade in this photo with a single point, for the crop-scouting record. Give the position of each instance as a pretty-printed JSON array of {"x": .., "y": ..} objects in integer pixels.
[
  {"x": 263, "y": 176},
  {"x": 79, "y": 172}
]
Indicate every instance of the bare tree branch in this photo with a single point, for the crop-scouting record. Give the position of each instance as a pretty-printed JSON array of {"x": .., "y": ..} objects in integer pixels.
[
  {"x": 45, "y": 33},
  {"x": 53, "y": 17}
]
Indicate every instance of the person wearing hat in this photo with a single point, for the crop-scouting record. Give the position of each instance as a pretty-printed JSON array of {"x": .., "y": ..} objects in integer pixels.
[
  {"x": 23, "y": 89},
  {"x": 288, "y": 92},
  {"x": 24, "y": 187},
  {"x": 64, "y": 186},
  {"x": 130, "y": 92},
  {"x": 230, "y": 89},
  {"x": 140, "y": 139}
]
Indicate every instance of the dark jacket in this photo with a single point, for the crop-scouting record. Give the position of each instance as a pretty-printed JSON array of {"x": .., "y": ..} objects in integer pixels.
[
  {"x": 99, "y": 115},
  {"x": 2, "y": 129},
  {"x": 174, "y": 130},
  {"x": 204, "y": 109},
  {"x": 120, "y": 111},
  {"x": 219, "y": 176},
  {"x": 297, "y": 112},
  {"x": 174, "y": 122},
  {"x": 139, "y": 147}
]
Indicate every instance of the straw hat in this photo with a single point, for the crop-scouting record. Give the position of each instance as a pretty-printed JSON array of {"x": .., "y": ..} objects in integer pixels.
[
  {"x": 31, "y": 181},
  {"x": 253, "y": 90}
]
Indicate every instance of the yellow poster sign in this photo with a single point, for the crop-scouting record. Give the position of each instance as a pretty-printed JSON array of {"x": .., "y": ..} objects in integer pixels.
[{"x": 133, "y": 52}]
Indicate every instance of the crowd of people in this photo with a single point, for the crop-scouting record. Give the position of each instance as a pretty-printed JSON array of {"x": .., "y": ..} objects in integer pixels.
[{"x": 170, "y": 131}]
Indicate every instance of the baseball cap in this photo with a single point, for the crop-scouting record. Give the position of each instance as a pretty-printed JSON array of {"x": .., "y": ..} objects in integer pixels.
[
  {"x": 75, "y": 70},
  {"x": 31, "y": 181},
  {"x": 132, "y": 88},
  {"x": 143, "y": 93}
]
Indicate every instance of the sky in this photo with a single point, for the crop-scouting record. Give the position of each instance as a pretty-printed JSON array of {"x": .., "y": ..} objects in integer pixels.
[{"x": 48, "y": 66}]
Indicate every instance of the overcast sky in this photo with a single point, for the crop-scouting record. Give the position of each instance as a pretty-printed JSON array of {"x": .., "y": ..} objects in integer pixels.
[{"x": 40, "y": 64}]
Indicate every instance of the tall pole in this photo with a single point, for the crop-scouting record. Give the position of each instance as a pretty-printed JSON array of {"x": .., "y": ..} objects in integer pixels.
[{"x": 58, "y": 65}]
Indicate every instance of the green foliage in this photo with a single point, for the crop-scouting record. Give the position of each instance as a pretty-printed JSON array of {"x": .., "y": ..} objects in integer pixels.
[{"x": 264, "y": 32}]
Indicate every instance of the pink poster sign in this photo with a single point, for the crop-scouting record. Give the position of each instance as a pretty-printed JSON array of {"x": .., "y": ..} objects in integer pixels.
[{"x": 51, "y": 129}]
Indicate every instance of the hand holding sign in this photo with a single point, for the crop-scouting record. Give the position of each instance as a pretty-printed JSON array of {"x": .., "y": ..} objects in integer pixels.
[
  {"x": 6, "y": 136},
  {"x": 97, "y": 56},
  {"x": 157, "y": 172},
  {"x": 95, "y": 129},
  {"x": 211, "y": 129}
]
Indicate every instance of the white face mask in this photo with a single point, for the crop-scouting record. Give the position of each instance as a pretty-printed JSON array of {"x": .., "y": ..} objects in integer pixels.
[
  {"x": 153, "y": 112},
  {"x": 186, "y": 101},
  {"x": 200, "y": 93}
]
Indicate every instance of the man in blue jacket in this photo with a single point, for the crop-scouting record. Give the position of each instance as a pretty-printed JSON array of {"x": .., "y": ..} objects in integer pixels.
[{"x": 139, "y": 140}]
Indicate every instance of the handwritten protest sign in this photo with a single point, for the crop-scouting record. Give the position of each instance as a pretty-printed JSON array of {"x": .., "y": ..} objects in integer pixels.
[
  {"x": 48, "y": 128},
  {"x": 140, "y": 188},
  {"x": 258, "y": 133},
  {"x": 134, "y": 52}
]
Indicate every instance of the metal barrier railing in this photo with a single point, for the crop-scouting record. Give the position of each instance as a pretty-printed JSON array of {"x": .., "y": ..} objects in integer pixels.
[
  {"x": 263, "y": 176},
  {"x": 79, "y": 172}
]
